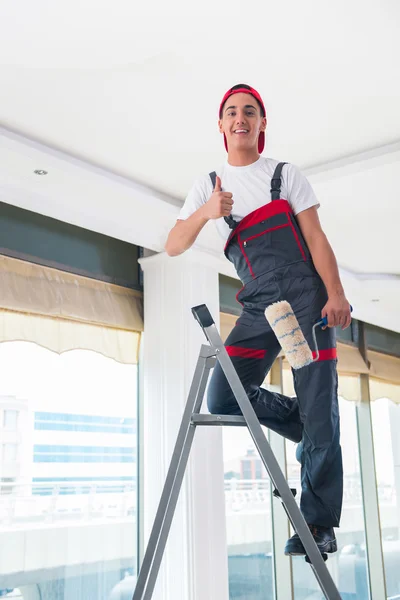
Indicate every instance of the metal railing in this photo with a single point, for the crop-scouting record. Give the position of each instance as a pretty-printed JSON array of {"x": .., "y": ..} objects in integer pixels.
[
  {"x": 36, "y": 502},
  {"x": 54, "y": 501}
]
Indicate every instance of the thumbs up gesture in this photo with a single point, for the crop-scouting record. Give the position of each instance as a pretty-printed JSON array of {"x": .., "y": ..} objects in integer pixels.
[{"x": 220, "y": 203}]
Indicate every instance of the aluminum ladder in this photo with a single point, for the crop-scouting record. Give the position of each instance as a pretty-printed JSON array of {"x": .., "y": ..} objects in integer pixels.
[{"x": 209, "y": 354}]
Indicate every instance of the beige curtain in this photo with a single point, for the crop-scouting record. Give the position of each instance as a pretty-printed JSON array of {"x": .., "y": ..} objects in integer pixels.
[
  {"x": 384, "y": 367},
  {"x": 350, "y": 361},
  {"x": 384, "y": 389},
  {"x": 227, "y": 323},
  {"x": 62, "y": 311},
  {"x": 384, "y": 379}
]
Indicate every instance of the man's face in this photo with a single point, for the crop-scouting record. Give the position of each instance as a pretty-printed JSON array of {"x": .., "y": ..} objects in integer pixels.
[{"x": 242, "y": 122}]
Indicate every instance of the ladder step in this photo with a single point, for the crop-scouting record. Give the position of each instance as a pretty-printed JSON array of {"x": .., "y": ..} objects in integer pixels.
[
  {"x": 276, "y": 494},
  {"x": 218, "y": 420}
]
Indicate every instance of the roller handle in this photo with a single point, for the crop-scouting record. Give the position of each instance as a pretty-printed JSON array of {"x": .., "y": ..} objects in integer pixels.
[
  {"x": 203, "y": 315},
  {"x": 324, "y": 322}
]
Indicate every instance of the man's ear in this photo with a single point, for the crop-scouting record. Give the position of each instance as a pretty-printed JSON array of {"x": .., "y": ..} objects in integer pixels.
[
  {"x": 220, "y": 126},
  {"x": 263, "y": 124}
]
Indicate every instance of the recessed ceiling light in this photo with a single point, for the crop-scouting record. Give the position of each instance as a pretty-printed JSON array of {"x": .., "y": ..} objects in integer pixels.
[
  {"x": 40, "y": 172},
  {"x": 375, "y": 300}
]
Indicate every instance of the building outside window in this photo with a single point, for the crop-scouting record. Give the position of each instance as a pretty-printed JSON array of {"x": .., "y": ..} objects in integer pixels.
[
  {"x": 10, "y": 419},
  {"x": 10, "y": 453}
]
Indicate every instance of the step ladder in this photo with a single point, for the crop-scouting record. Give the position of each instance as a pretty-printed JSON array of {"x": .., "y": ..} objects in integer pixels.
[{"x": 192, "y": 419}]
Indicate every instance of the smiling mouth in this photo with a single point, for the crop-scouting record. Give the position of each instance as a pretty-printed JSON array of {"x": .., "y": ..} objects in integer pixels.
[{"x": 241, "y": 131}]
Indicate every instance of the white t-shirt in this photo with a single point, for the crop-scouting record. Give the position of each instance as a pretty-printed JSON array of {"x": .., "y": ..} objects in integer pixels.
[{"x": 250, "y": 186}]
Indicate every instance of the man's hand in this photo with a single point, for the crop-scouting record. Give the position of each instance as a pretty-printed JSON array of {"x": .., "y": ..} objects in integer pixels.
[
  {"x": 338, "y": 311},
  {"x": 220, "y": 203}
]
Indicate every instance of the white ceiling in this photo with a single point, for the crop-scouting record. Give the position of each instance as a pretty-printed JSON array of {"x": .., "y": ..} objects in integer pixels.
[{"x": 120, "y": 104}]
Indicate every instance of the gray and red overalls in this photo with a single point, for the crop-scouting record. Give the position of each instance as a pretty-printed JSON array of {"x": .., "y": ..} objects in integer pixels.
[{"x": 273, "y": 262}]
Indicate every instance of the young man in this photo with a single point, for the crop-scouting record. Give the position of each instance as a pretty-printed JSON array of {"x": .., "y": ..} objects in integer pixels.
[{"x": 267, "y": 213}]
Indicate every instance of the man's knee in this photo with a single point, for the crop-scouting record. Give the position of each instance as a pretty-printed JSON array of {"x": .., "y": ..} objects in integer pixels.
[
  {"x": 220, "y": 398},
  {"x": 219, "y": 403}
]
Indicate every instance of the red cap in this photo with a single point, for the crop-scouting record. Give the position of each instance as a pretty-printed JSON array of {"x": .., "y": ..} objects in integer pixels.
[{"x": 245, "y": 89}]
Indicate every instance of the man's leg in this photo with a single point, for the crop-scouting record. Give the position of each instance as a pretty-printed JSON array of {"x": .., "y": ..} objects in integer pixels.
[
  {"x": 253, "y": 347},
  {"x": 321, "y": 457}
]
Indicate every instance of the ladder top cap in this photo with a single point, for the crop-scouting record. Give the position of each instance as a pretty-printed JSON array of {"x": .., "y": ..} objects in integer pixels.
[{"x": 203, "y": 315}]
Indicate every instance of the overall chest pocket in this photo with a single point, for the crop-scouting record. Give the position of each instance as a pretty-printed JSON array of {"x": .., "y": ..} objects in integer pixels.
[
  {"x": 257, "y": 239},
  {"x": 262, "y": 238},
  {"x": 271, "y": 247}
]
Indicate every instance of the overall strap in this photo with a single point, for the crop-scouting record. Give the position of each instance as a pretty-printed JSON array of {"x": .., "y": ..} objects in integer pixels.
[
  {"x": 276, "y": 182},
  {"x": 229, "y": 220}
]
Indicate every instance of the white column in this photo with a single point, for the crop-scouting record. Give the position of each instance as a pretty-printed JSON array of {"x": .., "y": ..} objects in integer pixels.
[{"x": 195, "y": 561}]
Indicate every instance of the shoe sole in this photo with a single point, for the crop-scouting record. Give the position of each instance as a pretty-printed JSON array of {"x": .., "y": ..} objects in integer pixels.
[{"x": 327, "y": 548}]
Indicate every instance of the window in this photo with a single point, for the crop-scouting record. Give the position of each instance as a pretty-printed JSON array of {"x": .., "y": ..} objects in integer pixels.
[
  {"x": 386, "y": 427},
  {"x": 259, "y": 469},
  {"x": 10, "y": 452},
  {"x": 74, "y": 491},
  {"x": 348, "y": 565},
  {"x": 10, "y": 419},
  {"x": 248, "y": 518},
  {"x": 5, "y": 485},
  {"x": 246, "y": 469}
]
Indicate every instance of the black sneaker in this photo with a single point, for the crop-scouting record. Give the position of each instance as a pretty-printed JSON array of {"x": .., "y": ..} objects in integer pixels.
[{"x": 324, "y": 538}]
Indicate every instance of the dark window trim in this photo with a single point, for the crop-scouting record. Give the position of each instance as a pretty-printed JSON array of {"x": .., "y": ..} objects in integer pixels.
[
  {"x": 42, "y": 240},
  {"x": 67, "y": 269}
]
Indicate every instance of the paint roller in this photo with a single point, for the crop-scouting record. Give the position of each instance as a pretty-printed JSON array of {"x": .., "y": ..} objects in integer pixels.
[{"x": 286, "y": 327}]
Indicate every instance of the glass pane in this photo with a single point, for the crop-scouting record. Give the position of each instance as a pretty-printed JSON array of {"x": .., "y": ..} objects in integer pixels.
[
  {"x": 68, "y": 511},
  {"x": 348, "y": 566},
  {"x": 10, "y": 419},
  {"x": 248, "y": 518},
  {"x": 386, "y": 427},
  {"x": 10, "y": 452}
]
